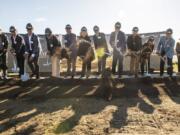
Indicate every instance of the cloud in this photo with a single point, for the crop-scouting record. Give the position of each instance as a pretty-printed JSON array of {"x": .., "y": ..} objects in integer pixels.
[{"x": 40, "y": 20}]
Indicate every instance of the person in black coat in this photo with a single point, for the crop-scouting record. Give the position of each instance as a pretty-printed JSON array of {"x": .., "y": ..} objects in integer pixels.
[
  {"x": 18, "y": 49},
  {"x": 32, "y": 50},
  {"x": 85, "y": 52},
  {"x": 101, "y": 48},
  {"x": 54, "y": 51},
  {"x": 134, "y": 43},
  {"x": 3, "y": 51}
]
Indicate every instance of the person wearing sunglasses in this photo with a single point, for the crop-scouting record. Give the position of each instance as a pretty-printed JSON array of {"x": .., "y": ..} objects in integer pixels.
[
  {"x": 85, "y": 52},
  {"x": 134, "y": 43},
  {"x": 18, "y": 49},
  {"x": 70, "y": 51},
  {"x": 165, "y": 50},
  {"x": 101, "y": 47},
  {"x": 54, "y": 51},
  {"x": 118, "y": 43},
  {"x": 32, "y": 50}
]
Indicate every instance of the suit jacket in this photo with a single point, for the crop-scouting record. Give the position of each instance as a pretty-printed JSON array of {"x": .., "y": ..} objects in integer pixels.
[
  {"x": 121, "y": 40},
  {"x": 134, "y": 43},
  {"x": 34, "y": 44},
  {"x": 18, "y": 45},
  {"x": 3, "y": 43}
]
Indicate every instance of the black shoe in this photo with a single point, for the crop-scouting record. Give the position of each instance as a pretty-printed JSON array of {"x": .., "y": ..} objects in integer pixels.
[
  {"x": 37, "y": 76},
  {"x": 136, "y": 76},
  {"x": 32, "y": 75},
  {"x": 4, "y": 77},
  {"x": 120, "y": 76}
]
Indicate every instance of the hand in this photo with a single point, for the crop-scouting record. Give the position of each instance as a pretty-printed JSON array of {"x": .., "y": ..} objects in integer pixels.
[
  {"x": 5, "y": 50},
  {"x": 158, "y": 53},
  {"x": 48, "y": 53},
  {"x": 31, "y": 59},
  {"x": 25, "y": 55}
]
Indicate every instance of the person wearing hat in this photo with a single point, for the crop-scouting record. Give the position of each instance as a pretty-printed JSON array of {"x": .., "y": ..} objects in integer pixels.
[
  {"x": 134, "y": 44},
  {"x": 101, "y": 48},
  {"x": 70, "y": 44},
  {"x": 3, "y": 51},
  {"x": 166, "y": 51},
  {"x": 178, "y": 54},
  {"x": 18, "y": 49},
  {"x": 53, "y": 45},
  {"x": 118, "y": 43},
  {"x": 146, "y": 51},
  {"x": 32, "y": 50},
  {"x": 85, "y": 52}
]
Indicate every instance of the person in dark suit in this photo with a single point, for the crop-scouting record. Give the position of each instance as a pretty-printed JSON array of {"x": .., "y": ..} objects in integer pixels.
[
  {"x": 134, "y": 43},
  {"x": 54, "y": 51},
  {"x": 32, "y": 50},
  {"x": 69, "y": 41},
  {"x": 101, "y": 48},
  {"x": 3, "y": 51},
  {"x": 18, "y": 49},
  {"x": 118, "y": 43}
]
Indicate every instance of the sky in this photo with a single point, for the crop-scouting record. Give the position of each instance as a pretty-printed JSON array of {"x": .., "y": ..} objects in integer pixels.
[{"x": 148, "y": 15}]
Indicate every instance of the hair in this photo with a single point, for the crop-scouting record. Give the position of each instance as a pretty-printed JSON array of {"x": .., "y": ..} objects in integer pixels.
[{"x": 82, "y": 32}]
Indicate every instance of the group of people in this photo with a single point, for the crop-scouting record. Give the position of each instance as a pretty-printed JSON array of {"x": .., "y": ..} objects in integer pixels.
[{"x": 26, "y": 49}]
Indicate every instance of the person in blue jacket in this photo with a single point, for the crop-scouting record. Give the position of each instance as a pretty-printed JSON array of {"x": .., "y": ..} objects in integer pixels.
[{"x": 166, "y": 51}]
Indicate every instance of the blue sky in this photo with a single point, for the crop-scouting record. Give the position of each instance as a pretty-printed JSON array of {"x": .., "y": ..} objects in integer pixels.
[{"x": 148, "y": 15}]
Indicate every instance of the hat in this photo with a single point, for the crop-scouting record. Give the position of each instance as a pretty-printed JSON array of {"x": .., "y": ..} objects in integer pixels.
[
  {"x": 96, "y": 28},
  {"x": 118, "y": 25},
  {"x": 29, "y": 26},
  {"x": 135, "y": 29},
  {"x": 12, "y": 29},
  {"x": 84, "y": 29},
  {"x": 68, "y": 26},
  {"x": 48, "y": 31},
  {"x": 169, "y": 31}
]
